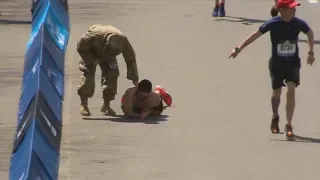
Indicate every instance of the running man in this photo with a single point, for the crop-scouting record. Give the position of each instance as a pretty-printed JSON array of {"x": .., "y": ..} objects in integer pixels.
[
  {"x": 219, "y": 9},
  {"x": 142, "y": 102},
  {"x": 285, "y": 63}
]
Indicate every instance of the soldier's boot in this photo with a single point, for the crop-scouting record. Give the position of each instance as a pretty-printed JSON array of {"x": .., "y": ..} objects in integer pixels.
[
  {"x": 84, "y": 110},
  {"x": 106, "y": 109}
]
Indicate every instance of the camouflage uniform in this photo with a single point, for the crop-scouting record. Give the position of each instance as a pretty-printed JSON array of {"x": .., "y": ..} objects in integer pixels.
[{"x": 100, "y": 46}]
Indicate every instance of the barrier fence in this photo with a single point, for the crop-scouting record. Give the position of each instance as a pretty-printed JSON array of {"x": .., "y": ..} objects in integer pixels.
[{"x": 36, "y": 147}]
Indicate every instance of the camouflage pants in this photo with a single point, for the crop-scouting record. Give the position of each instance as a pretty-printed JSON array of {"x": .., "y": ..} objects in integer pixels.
[{"x": 109, "y": 76}]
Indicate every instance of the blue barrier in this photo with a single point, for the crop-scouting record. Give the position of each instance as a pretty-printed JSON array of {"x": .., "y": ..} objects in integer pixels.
[{"x": 36, "y": 147}]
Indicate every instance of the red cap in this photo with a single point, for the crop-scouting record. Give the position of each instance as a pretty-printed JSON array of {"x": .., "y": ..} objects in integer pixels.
[{"x": 287, "y": 4}]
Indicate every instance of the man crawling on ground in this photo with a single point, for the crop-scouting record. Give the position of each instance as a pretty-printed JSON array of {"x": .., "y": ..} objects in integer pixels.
[{"x": 142, "y": 101}]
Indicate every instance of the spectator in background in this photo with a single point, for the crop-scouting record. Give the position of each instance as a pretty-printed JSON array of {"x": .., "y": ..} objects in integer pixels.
[{"x": 219, "y": 9}]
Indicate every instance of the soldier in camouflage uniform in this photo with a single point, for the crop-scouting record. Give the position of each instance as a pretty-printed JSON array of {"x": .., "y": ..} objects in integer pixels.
[{"x": 100, "y": 46}]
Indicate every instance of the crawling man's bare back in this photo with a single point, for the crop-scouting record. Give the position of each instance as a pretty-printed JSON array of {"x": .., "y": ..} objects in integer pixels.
[{"x": 142, "y": 101}]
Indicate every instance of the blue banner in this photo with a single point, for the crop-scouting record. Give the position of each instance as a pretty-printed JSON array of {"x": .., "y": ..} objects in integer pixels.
[
  {"x": 36, "y": 147},
  {"x": 45, "y": 140},
  {"x": 37, "y": 169},
  {"x": 24, "y": 125},
  {"x": 37, "y": 79},
  {"x": 56, "y": 29},
  {"x": 48, "y": 123},
  {"x": 20, "y": 159},
  {"x": 55, "y": 17}
]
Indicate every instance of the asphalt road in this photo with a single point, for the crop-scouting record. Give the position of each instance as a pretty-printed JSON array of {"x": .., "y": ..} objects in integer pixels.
[{"x": 218, "y": 128}]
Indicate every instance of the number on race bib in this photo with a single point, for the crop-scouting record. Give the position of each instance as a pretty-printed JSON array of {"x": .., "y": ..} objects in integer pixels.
[{"x": 286, "y": 49}]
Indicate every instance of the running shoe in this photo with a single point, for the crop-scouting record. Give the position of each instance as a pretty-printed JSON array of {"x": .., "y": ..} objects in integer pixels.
[
  {"x": 215, "y": 12},
  {"x": 275, "y": 125},
  {"x": 288, "y": 132},
  {"x": 222, "y": 12}
]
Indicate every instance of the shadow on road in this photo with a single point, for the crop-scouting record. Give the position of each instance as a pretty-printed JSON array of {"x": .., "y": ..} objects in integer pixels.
[
  {"x": 306, "y": 41},
  {"x": 244, "y": 21},
  {"x": 123, "y": 119},
  {"x": 4, "y": 21},
  {"x": 307, "y": 139},
  {"x": 301, "y": 139}
]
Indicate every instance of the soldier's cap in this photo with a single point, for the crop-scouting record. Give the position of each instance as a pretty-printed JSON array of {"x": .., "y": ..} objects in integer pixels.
[{"x": 114, "y": 41}]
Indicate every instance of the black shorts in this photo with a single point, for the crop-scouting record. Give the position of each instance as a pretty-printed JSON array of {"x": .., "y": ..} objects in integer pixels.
[
  {"x": 282, "y": 73},
  {"x": 158, "y": 109}
]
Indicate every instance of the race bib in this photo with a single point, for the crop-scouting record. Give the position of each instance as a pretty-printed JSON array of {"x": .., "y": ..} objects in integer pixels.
[{"x": 286, "y": 49}]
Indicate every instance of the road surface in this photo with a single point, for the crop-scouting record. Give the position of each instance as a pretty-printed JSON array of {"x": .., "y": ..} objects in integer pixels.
[{"x": 218, "y": 128}]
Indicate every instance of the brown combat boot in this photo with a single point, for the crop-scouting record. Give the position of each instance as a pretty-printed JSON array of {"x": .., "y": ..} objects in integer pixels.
[
  {"x": 106, "y": 109},
  {"x": 84, "y": 110}
]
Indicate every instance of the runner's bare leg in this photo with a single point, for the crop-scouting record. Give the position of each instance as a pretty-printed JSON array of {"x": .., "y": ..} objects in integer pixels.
[
  {"x": 275, "y": 101},
  {"x": 291, "y": 101},
  {"x": 221, "y": 1}
]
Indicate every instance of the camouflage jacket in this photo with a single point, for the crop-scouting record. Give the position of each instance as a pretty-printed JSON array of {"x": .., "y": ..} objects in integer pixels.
[{"x": 97, "y": 38}]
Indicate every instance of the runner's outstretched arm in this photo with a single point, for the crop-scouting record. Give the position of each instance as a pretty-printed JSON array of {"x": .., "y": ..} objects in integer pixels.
[{"x": 254, "y": 36}]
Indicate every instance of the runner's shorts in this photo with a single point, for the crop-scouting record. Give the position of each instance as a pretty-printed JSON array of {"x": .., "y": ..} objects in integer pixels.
[
  {"x": 283, "y": 72},
  {"x": 159, "y": 109}
]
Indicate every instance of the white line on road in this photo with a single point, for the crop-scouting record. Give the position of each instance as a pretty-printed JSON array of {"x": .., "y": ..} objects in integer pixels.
[{"x": 313, "y": 1}]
